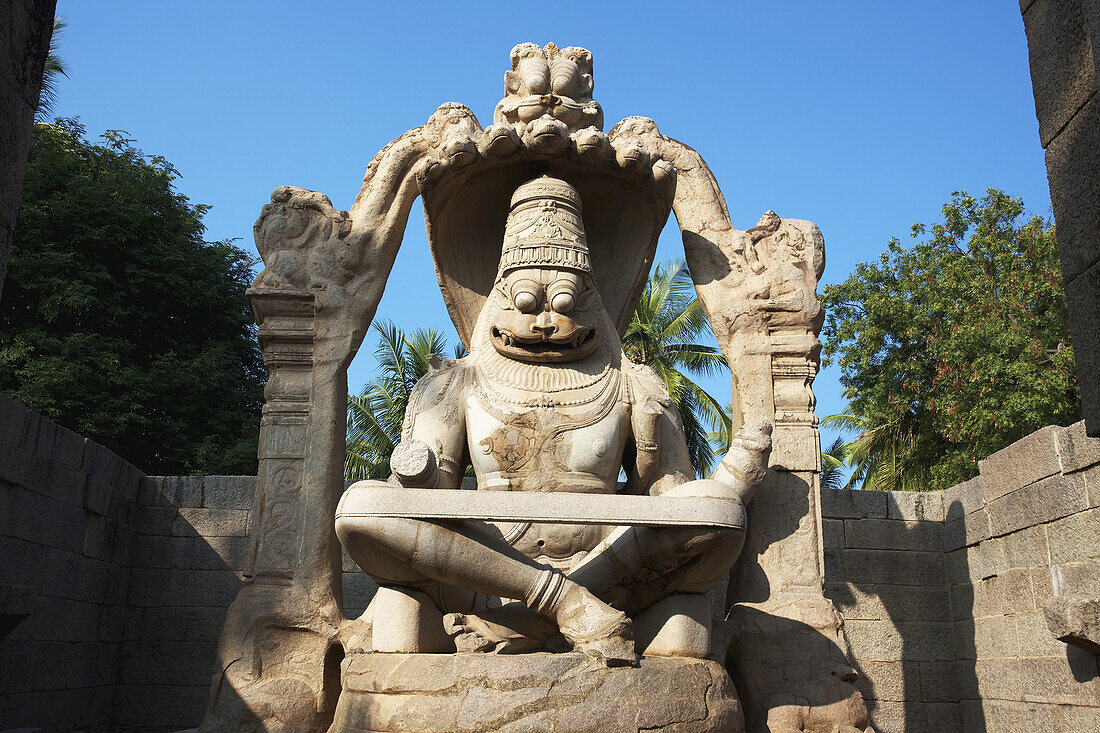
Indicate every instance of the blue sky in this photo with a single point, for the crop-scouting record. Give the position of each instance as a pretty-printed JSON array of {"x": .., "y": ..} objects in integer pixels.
[{"x": 860, "y": 116}]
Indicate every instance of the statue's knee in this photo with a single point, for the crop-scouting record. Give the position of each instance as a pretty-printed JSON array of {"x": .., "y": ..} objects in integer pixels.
[{"x": 723, "y": 542}]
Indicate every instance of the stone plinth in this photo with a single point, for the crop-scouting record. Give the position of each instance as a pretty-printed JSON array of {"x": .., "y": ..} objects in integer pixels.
[{"x": 422, "y": 693}]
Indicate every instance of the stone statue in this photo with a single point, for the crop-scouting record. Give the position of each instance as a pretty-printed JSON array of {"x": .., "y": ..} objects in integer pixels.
[
  {"x": 547, "y": 402},
  {"x": 544, "y": 594}
]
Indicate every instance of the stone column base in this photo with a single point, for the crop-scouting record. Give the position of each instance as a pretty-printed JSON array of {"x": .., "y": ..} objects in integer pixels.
[{"x": 443, "y": 693}]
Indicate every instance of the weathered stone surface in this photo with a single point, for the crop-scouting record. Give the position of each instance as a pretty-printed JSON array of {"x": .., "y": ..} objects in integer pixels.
[
  {"x": 228, "y": 492},
  {"x": 999, "y": 678},
  {"x": 832, "y": 534},
  {"x": 543, "y": 396},
  {"x": 889, "y": 680},
  {"x": 889, "y": 534},
  {"x": 908, "y": 640},
  {"x": 1026, "y": 461},
  {"x": 1074, "y": 620},
  {"x": 1043, "y": 501},
  {"x": 1001, "y": 715},
  {"x": 967, "y": 530},
  {"x": 892, "y": 567},
  {"x": 938, "y": 682},
  {"x": 848, "y": 504},
  {"x": 418, "y": 693},
  {"x": 1076, "y": 449},
  {"x": 962, "y": 499},
  {"x": 1033, "y": 637},
  {"x": 1076, "y": 537},
  {"x": 1025, "y": 548},
  {"x": 923, "y": 506},
  {"x": 890, "y": 602},
  {"x": 1083, "y": 295},
  {"x": 172, "y": 491},
  {"x": 1062, "y": 71}
]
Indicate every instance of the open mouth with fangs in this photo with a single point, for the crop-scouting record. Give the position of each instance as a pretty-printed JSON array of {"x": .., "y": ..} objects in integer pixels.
[{"x": 545, "y": 349}]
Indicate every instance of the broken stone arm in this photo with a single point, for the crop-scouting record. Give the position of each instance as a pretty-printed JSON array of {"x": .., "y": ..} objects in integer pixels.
[
  {"x": 431, "y": 453},
  {"x": 662, "y": 461}
]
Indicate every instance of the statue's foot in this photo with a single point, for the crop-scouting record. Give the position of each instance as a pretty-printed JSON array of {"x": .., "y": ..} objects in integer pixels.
[
  {"x": 596, "y": 629},
  {"x": 510, "y": 629}
]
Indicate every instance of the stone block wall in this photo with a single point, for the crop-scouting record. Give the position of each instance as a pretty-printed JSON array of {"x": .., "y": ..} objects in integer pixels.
[
  {"x": 191, "y": 553},
  {"x": 67, "y": 528},
  {"x": 942, "y": 592},
  {"x": 885, "y": 572},
  {"x": 1062, "y": 38},
  {"x": 190, "y": 550}
]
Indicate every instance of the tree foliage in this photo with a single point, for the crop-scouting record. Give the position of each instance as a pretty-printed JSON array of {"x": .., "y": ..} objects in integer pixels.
[
  {"x": 53, "y": 69},
  {"x": 954, "y": 347},
  {"x": 118, "y": 321}
]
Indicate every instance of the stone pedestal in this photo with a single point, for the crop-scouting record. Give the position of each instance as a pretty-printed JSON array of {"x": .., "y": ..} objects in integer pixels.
[{"x": 440, "y": 693}]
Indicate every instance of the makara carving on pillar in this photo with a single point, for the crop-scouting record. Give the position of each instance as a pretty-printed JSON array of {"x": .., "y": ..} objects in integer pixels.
[{"x": 544, "y": 594}]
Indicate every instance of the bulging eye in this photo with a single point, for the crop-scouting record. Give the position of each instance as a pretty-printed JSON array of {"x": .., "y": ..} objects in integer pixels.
[
  {"x": 526, "y": 302},
  {"x": 562, "y": 302},
  {"x": 525, "y": 295}
]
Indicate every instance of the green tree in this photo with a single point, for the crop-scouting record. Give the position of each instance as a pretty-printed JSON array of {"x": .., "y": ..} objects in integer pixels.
[
  {"x": 833, "y": 462},
  {"x": 953, "y": 348},
  {"x": 54, "y": 68},
  {"x": 662, "y": 334},
  {"x": 118, "y": 321},
  {"x": 375, "y": 416}
]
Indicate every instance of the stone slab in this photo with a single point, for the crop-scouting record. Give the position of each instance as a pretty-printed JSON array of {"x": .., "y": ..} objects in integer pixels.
[
  {"x": 1062, "y": 72},
  {"x": 925, "y": 506},
  {"x": 1083, "y": 300},
  {"x": 378, "y": 500},
  {"x": 853, "y": 504},
  {"x": 962, "y": 499},
  {"x": 1029, "y": 459},
  {"x": 1043, "y": 501},
  {"x": 1076, "y": 537},
  {"x": 890, "y": 534},
  {"x": 832, "y": 534},
  {"x": 966, "y": 531},
  {"x": 893, "y": 567},
  {"x": 1076, "y": 449},
  {"x": 431, "y": 693},
  {"x": 891, "y": 602},
  {"x": 1074, "y": 620}
]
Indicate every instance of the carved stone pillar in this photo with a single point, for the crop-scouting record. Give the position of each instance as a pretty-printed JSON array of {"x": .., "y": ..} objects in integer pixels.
[{"x": 280, "y": 631}]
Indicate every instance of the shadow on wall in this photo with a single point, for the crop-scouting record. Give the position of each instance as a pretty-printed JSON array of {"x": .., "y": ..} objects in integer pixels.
[
  {"x": 886, "y": 573},
  {"x": 191, "y": 547},
  {"x": 966, "y": 652},
  {"x": 785, "y": 660},
  {"x": 191, "y": 553}
]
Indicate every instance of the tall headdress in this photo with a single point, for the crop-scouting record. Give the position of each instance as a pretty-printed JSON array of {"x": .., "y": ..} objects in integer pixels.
[{"x": 545, "y": 228}]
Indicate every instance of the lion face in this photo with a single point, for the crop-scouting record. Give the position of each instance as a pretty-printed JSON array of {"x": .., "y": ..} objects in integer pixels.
[
  {"x": 551, "y": 82},
  {"x": 545, "y": 315}
]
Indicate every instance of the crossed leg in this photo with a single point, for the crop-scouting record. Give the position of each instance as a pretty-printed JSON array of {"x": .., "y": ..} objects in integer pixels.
[
  {"x": 632, "y": 568},
  {"x": 408, "y": 552}
]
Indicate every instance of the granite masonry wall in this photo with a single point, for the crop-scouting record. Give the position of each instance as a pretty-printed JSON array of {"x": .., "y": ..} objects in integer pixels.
[
  {"x": 67, "y": 528},
  {"x": 114, "y": 586},
  {"x": 1063, "y": 46},
  {"x": 942, "y": 592},
  {"x": 191, "y": 552}
]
